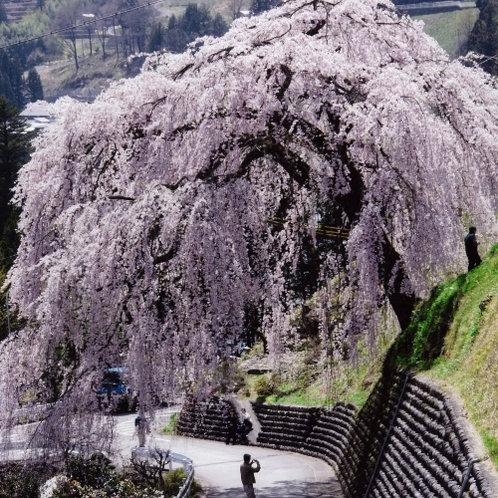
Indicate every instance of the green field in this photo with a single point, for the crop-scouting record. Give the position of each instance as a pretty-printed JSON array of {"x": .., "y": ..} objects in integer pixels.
[{"x": 451, "y": 29}]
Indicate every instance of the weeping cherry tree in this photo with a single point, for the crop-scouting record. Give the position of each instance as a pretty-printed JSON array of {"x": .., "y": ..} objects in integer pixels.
[{"x": 148, "y": 217}]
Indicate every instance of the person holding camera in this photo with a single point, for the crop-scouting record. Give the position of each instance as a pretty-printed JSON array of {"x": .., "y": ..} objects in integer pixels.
[{"x": 247, "y": 472}]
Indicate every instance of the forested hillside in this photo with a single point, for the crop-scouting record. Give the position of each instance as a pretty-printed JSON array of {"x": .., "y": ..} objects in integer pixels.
[{"x": 94, "y": 32}]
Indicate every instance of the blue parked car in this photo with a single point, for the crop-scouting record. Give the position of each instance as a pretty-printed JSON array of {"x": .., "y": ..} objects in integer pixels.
[{"x": 114, "y": 393}]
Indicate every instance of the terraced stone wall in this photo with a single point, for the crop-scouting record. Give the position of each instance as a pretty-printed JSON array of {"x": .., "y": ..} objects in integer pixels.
[
  {"x": 285, "y": 427},
  {"x": 405, "y": 442},
  {"x": 427, "y": 452},
  {"x": 17, "y": 9}
]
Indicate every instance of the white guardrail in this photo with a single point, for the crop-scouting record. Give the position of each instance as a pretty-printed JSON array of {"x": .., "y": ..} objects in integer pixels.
[
  {"x": 145, "y": 453},
  {"x": 188, "y": 467}
]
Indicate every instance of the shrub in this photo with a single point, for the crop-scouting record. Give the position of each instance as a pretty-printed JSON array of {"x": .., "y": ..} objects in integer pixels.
[
  {"x": 96, "y": 477},
  {"x": 173, "y": 481},
  {"x": 94, "y": 472},
  {"x": 262, "y": 386},
  {"x": 172, "y": 424},
  {"x": 23, "y": 480}
]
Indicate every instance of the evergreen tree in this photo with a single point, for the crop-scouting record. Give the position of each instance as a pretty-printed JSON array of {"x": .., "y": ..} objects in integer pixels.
[
  {"x": 11, "y": 79},
  {"x": 3, "y": 13},
  {"x": 15, "y": 147},
  {"x": 17, "y": 81},
  {"x": 196, "y": 20},
  {"x": 172, "y": 23},
  {"x": 175, "y": 38},
  {"x": 484, "y": 36},
  {"x": 157, "y": 38},
  {"x": 219, "y": 26},
  {"x": 259, "y": 6},
  {"x": 34, "y": 84},
  {"x": 5, "y": 87}
]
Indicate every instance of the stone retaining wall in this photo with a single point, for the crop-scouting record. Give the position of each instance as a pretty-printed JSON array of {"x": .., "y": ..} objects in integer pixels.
[
  {"x": 204, "y": 419},
  {"x": 427, "y": 453},
  {"x": 405, "y": 442},
  {"x": 285, "y": 427}
]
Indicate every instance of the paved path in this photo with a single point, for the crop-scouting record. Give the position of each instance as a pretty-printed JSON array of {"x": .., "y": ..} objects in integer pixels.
[{"x": 283, "y": 474}]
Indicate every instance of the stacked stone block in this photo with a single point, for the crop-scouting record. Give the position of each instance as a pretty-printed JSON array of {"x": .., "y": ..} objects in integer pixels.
[
  {"x": 427, "y": 453},
  {"x": 329, "y": 438},
  {"x": 205, "y": 419},
  {"x": 284, "y": 427},
  {"x": 367, "y": 437}
]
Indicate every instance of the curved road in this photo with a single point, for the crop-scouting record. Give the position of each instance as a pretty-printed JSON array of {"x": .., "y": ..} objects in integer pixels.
[{"x": 283, "y": 474}]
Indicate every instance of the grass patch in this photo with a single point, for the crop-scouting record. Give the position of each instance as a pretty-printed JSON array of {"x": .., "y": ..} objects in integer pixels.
[
  {"x": 171, "y": 427},
  {"x": 343, "y": 383},
  {"x": 422, "y": 342},
  {"x": 492, "y": 446}
]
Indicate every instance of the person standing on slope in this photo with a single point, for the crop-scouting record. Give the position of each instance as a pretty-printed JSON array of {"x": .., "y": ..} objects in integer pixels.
[{"x": 471, "y": 248}]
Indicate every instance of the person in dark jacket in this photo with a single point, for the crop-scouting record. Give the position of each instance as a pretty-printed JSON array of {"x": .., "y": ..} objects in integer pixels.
[
  {"x": 232, "y": 423},
  {"x": 141, "y": 429},
  {"x": 247, "y": 472},
  {"x": 471, "y": 245}
]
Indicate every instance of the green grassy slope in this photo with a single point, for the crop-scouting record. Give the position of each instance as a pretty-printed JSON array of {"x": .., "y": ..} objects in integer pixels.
[{"x": 454, "y": 338}]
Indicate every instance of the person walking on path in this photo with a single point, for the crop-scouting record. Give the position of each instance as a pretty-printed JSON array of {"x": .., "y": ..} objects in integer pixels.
[
  {"x": 247, "y": 472},
  {"x": 471, "y": 248}
]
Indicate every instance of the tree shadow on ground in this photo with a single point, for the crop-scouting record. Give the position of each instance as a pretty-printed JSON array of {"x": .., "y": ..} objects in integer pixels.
[{"x": 284, "y": 489}]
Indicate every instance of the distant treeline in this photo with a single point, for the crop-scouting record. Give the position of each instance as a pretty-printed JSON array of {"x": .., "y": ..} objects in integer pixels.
[
  {"x": 17, "y": 88},
  {"x": 182, "y": 30},
  {"x": 178, "y": 32}
]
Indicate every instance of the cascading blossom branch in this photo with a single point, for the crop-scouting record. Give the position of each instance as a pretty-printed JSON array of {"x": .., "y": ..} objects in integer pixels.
[{"x": 145, "y": 215}]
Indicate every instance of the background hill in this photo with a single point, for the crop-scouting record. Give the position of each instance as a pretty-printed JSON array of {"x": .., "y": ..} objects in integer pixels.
[{"x": 450, "y": 29}]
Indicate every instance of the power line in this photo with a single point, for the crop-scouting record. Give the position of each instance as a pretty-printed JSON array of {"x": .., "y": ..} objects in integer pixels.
[{"x": 86, "y": 23}]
